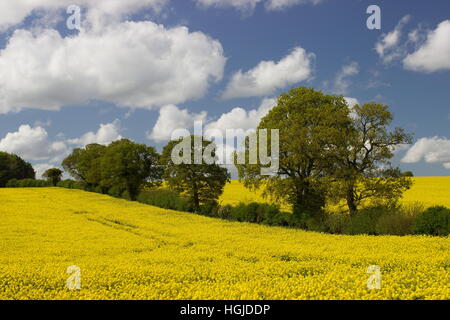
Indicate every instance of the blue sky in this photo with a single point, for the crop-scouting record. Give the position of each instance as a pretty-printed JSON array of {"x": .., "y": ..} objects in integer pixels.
[{"x": 337, "y": 55}]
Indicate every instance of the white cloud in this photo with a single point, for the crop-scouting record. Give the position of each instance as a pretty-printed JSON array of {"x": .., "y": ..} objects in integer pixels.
[
  {"x": 15, "y": 11},
  {"x": 131, "y": 64},
  {"x": 172, "y": 118},
  {"x": 351, "y": 101},
  {"x": 40, "y": 168},
  {"x": 106, "y": 134},
  {"x": 243, "y": 5},
  {"x": 32, "y": 144},
  {"x": 269, "y": 76},
  {"x": 434, "y": 54},
  {"x": 239, "y": 118},
  {"x": 432, "y": 150},
  {"x": 283, "y": 4},
  {"x": 388, "y": 47},
  {"x": 249, "y": 5},
  {"x": 342, "y": 83}
]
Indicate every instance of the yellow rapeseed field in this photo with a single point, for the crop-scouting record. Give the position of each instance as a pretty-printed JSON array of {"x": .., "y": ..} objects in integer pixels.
[
  {"x": 127, "y": 250},
  {"x": 426, "y": 190}
]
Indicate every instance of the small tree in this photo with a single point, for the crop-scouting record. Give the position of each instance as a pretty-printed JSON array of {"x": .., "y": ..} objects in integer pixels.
[
  {"x": 127, "y": 165},
  {"x": 53, "y": 175},
  {"x": 84, "y": 164},
  {"x": 364, "y": 170},
  {"x": 14, "y": 167},
  {"x": 202, "y": 182}
]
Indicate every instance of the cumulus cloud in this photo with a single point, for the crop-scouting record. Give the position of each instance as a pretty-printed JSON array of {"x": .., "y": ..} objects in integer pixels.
[
  {"x": 239, "y": 118},
  {"x": 14, "y": 12},
  {"x": 131, "y": 64},
  {"x": 342, "y": 82},
  {"x": 434, "y": 54},
  {"x": 172, "y": 118},
  {"x": 32, "y": 143},
  {"x": 283, "y": 4},
  {"x": 243, "y": 5},
  {"x": 351, "y": 101},
  {"x": 388, "y": 47},
  {"x": 432, "y": 150},
  {"x": 269, "y": 76},
  {"x": 107, "y": 133},
  {"x": 249, "y": 5}
]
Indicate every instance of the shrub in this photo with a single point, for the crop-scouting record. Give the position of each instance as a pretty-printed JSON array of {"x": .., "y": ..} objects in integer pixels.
[
  {"x": 27, "y": 183},
  {"x": 209, "y": 209},
  {"x": 433, "y": 221},
  {"x": 116, "y": 191},
  {"x": 99, "y": 189},
  {"x": 255, "y": 212},
  {"x": 223, "y": 212},
  {"x": 365, "y": 221},
  {"x": 165, "y": 198},
  {"x": 336, "y": 222},
  {"x": 394, "y": 223},
  {"x": 12, "y": 183}
]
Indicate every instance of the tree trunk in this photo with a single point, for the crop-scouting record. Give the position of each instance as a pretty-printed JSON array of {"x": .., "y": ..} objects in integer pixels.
[
  {"x": 351, "y": 201},
  {"x": 196, "y": 201}
]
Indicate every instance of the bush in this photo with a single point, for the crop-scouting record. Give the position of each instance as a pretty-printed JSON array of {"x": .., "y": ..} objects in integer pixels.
[
  {"x": 116, "y": 191},
  {"x": 27, "y": 183},
  {"x": 223, "y": 212},
  {"x": 336, "y": 223},
  {"x": 165, "y": 198},
  {"x": 365, "y": 221},
  {"x": 255, "y": 212},
  {"x": 71, "y": 184},
  {"x": 434, "y": 221},
  {"x": 209, "y": 209},
  {"x": 394, "y": 223}
]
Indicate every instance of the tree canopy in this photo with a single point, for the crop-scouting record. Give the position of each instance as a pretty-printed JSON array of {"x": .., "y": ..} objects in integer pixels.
[
  {"x": 123, "y": 165},
  {"x": 53, "y": 175},
  {"x": 14, "y": 167},
  {"x": 327, "y": 151},
  {"x": 202, "y": 182},
  {"x": 311, "y": 127}
]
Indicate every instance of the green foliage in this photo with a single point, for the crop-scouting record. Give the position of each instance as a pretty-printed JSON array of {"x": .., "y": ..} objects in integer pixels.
[
  {"x": 394, "y": 223},
  {"x": 201, "y": 182},
  {"x": 72, "y": 184},
  {"x": 362, "y": 169},
  {"x": 336, "y": 223},
  {"x": 311, "y": 125},
  {"x": 121, "y": 166},
  {"x": 127, "y": 165},
  {"x": 27, "y": 183},
  {"x": 116, "y": 191},
  {"x": 165, "y": 198},
  {"x": 14, "y": 167},
  {"x": 434, "y": 221},
  {"x": 53, "y": 175},
  {"x": 408, "y": 174}
]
